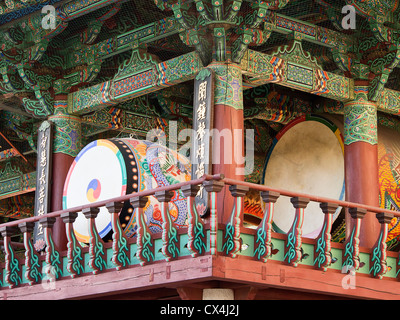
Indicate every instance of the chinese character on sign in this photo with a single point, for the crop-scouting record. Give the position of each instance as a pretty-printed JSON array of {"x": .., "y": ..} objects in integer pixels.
[
  {"x": 200, "y": 170},
  {"x": 201, "y": 131},
  {"x": 200, "y": 152},
  {"x": 201, "y": 111},
  {"x": 202, "y": 123},
  {"x": 43, "y": 177},
  {"x": 202, "y": 91}
]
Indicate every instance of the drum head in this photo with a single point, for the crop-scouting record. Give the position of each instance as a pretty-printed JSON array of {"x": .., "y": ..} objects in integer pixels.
[
  {"x": 98, "y": 173},
  {"x": 107, "y": 169},
  {"x": 305, "y": 157}
]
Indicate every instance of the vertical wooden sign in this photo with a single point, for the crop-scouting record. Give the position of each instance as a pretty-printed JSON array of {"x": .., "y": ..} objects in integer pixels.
[
  {"x": 203, "y": 112},
  {"x": 43, "y": 179}
]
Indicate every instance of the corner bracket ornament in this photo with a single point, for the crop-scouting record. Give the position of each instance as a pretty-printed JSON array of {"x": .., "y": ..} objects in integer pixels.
[
  {"x": 139, "y": 62},
  {"x": 342, "y": 59},
  {"x": 203, "y": 74},
  {"x": 295, "y": 53},
  {"x": 231, "y": 30},
  {"x": 381, "y": 67}
]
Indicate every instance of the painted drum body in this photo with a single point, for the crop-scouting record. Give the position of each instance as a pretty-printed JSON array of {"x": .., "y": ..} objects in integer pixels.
[
  {"x": 106, "y": 169},
  {"x": 306, "y": 156}
]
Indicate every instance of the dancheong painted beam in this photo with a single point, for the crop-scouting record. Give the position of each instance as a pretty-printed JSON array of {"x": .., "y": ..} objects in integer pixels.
[
  {"x": 296, "y": 73},
  {"x": 151, "y": 79},
  {"x": 259, "y": 68}
]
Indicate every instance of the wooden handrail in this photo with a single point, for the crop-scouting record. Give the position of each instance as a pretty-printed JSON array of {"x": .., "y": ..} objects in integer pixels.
[
  {"x": 313, "y": 198},
  {"x": 218, "y": 177},
  {"x": 196, "y": 235},
  {"x": 124, "y": 198}
]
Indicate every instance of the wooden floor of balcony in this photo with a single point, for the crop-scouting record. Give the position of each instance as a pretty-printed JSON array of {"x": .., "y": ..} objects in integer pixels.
[
  {"x": 180, "y": 263},
  {"x": 186, "y": 277}
]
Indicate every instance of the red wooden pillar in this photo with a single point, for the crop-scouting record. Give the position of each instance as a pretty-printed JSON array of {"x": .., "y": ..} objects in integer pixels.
[
  {"x": 361, "y": 161},
  {"x": 66, "y": 146},
  {"x": 61, "y": 164},
  {"x": 228, "y": 134}
]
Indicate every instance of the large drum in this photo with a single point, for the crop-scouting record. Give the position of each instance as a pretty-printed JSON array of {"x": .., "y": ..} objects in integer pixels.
[
  {"x": 106, "y": 169},
  {"x": 306, "y": 157}
]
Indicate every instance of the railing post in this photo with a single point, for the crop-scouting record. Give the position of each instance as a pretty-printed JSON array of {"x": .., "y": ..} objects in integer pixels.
[
  {"x": 12, "y": 267},
  {"x": 120, "y": 242},
  {"x": 322, "y": 252},
  {"x": 379, "y": 254},
  {"x": 263, "y": 240},
  {"x": 97, "y": 261},
  {"x": 196, "y": 234},
  {"x": 232, "y": 242},
  {"x": 53, "y": 261},
  {"x": 74, "y": 250},
  {"x": 351, "y": 255},
  {"x": 213, "y": 187},
  {"x": 33, "y": 271},
  {"x": 170, "y": 239},
  {"x": 293, "y": 242},
  {"x": 145, "y": 247}
]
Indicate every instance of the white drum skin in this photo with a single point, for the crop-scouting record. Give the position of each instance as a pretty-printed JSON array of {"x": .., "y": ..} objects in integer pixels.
[
  {"x": 307, "y": 158},
  {"x": 107, "y": 169}
]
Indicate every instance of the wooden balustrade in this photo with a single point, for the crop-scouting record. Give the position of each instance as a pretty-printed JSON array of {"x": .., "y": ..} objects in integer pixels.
[
  {"x": 351, "y": 255},
  {"x": 213, "y": 187},
  {"x": 202, "y": 236},
  {"x": 53, "y": 267},
  {"x": 263, "y": 241},
  {"x": 323, "y": 249},
  {"x": 32, "y": 267},
  {"x": 12, "y": 266},
  {"x": 232, "y": 243},
  {"x": 379, "y": 254},
  {"x": 144, "y": 241},
  {"x": 170, "y": 248},
  {"x": 196, "y": 236},
  {"x": 120, "y": 247},
  {"x": 97, "y": 252},
  {"x": 74, "y": 254},
  {"x": 294, "y": 240}
]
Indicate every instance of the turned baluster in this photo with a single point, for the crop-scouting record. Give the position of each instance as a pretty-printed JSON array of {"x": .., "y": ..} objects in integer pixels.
[
  {"x": 213, "y": 187},
  {"x": 263, "y": 240},
  {"x": 293, "y": 242},
  {"x": 196, "y": 233},
  {"x": 120, "y": 242},
  {"x": 74, "y": 254},
  {"x": 232, "y": 242},
  {"x": 351, "y": 255},
  {"x": 170, "y": 248},
  {"x": 12, "y": 267},
  {"x": 53, "y": 268},
  {"x": 33, "y": 271},
  {"x": 379, "y": 253},
  {"x": 322, "y": 250},
  {"x": 97, "y": 254},
  {"x": 144, "y": 241}
]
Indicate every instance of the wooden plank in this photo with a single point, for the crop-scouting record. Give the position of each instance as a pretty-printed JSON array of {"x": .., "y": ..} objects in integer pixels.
[
  {"x": 303, "y": 278},
  {"x": 161, "y": 274}
]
